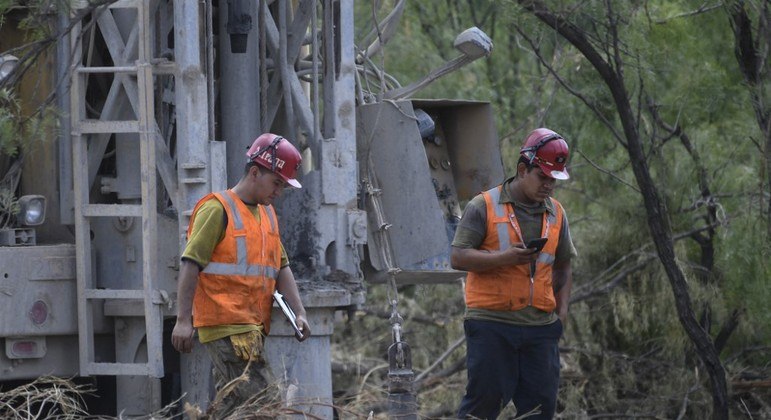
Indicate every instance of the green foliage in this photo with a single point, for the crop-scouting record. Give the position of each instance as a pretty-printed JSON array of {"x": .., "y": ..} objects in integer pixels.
[
  {"x": 9, "y": 124},
  {"x": 20, "y": 133},
  {"x": 26, "y": 120},
  {"x": 433, "y": 320},
  {"x": 624, "y": 351},
  {"x": 38, "y": 16},
  {"x": 9, "y": 207},
  {"x": 745, "y": 271},
  {"x": 629, "y": 353}
]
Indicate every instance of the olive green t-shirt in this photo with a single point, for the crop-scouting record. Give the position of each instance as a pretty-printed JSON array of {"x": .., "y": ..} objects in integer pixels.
[
  {"x": 471, "y": 233},
  {"x": 208, "y": 230}
]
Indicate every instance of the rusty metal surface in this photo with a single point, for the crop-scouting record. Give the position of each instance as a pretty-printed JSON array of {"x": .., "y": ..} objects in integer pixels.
[
  {"x": 472, "y": 141},
  {"x": 390, "y": 142}
]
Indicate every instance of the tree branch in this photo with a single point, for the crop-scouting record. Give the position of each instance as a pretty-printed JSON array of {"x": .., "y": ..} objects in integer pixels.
[
  {"x": 728, "y": 328},
  {"x": 605, "y": 171},
  {"x": 440, "y": 359},
  {"x": 655, "y": 208}
]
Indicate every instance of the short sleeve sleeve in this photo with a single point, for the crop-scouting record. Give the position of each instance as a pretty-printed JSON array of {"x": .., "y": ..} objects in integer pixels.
[
  {"x": 565, "y": 249},
  {"x": 207, "y": 231},
  {"x": 473, "y": 224}
]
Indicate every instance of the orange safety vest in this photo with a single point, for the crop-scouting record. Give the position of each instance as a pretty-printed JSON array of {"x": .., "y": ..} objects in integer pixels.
[
  {"x": 510, "y": 288},
  {"x": 237, "y": 285}
]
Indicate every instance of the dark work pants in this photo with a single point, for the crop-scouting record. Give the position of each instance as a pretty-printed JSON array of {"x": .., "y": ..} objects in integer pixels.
[{"x": 511, "y": 363}]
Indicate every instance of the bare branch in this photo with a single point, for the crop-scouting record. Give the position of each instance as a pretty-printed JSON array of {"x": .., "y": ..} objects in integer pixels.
[
  {"x": 592, "y": 107},
  {"x": 435, "y": 380},
  {"x": 610, "y": 285},
  {"x": 612, "y": 175},
  {"x": 684, "y": 406},
  {"x": 728, "y": 328},
  {"x": 704, "y": 8},
  {"x": 746, "y": 350},
  {"x": 441, "y": 358}
]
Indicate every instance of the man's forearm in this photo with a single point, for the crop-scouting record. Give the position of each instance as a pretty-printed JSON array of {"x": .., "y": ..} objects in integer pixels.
[
  {"x": 477, "y": 260},
  {"x": 287, "y": 286},
  {"x": 187, "y": 282}
]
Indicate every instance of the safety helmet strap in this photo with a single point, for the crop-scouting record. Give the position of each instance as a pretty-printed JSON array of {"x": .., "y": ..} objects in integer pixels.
[
  {"x": 532, "y": 151},
  {"x": 272, "y": 147}
]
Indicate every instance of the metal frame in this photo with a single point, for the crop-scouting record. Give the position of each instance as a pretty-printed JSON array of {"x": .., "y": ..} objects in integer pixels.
[
  {"x": 198, "y": 163},
  {"x": 145, "y": 128},
  {"x": 323, "y": 123}
]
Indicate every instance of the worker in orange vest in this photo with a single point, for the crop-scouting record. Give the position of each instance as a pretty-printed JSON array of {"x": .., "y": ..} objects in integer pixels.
[
  {"x": 515, "y": 243},
  {"x": 232, "y": 264}
]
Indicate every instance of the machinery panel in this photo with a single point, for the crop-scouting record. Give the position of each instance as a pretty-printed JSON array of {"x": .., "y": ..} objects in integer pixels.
[
  {"x": 460, "y": 153},
  {"x": 471, "y": 142},
  {"x": 391, "y": 150},
  {"x": 37, "y": 290}
]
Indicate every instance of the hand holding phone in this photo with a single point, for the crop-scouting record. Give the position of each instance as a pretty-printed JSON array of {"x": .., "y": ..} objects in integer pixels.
[{"x": 536, "y": 244}]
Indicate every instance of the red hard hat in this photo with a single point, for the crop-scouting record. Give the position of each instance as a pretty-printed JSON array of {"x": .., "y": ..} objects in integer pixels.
[
  {"x": 277, "y": 154},
  {"x": 549, "y": 150}
]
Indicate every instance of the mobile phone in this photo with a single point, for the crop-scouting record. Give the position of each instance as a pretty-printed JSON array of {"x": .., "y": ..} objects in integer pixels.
[{"x": 536, "y": 244}]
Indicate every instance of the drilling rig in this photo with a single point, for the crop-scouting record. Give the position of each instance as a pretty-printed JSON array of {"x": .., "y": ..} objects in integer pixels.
[{"x": 159, "y": 100}]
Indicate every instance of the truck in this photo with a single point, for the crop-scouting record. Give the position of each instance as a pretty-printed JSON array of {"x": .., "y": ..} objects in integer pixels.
[{"x": 158, "y": 102}]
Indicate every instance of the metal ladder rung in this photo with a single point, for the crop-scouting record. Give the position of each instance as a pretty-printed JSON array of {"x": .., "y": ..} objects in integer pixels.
[
  {"x": 139, "y": 124},
  {"x": 112, "y": 210},
  {"x": 97, "y": 368},
  {"x": 116, "y": 69},
  {"x": 108, "y": 127},
  {"x": 124, "y": 4},
  {"x": 114, "y": 294},
  {"x": 193, "y": 180},
  {"x": 193, "y": 165}
]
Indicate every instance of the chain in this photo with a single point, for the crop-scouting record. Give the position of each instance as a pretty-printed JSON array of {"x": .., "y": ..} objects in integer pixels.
[{"x": 386, "y": 254}]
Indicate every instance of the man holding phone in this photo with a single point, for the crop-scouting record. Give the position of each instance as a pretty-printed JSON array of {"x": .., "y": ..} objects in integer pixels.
[{"x": 515, "y": 242}]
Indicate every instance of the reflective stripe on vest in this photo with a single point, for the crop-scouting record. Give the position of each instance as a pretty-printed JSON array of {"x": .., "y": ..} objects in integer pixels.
[
  {"x": 503, "y": 230},
  {"x": 500, "y": 211},
  {"x": 237, "y": 285},
  {"x": 510, "y": 287},
  {"x": 241, "y": 267}
]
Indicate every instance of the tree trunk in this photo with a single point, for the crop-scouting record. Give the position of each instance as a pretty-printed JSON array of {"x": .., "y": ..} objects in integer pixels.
[
  {"x": 658, "y": 218},
  {"x": 751, "y": 55}
]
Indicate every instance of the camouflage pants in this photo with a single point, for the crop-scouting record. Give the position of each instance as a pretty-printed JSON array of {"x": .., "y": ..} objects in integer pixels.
[{"x": 226, "y": 367}]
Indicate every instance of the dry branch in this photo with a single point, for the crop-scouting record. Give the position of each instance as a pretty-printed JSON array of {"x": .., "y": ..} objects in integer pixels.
[
  {"x": 748, "y": 385},
  {"x": 46, "y": 397},
  {"x": 441, "y": 358}
]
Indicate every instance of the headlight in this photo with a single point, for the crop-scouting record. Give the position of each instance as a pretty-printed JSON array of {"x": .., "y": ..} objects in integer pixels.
[
  {"x": 33, "y": 210},
  {"x": 7, "y": 64}
]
